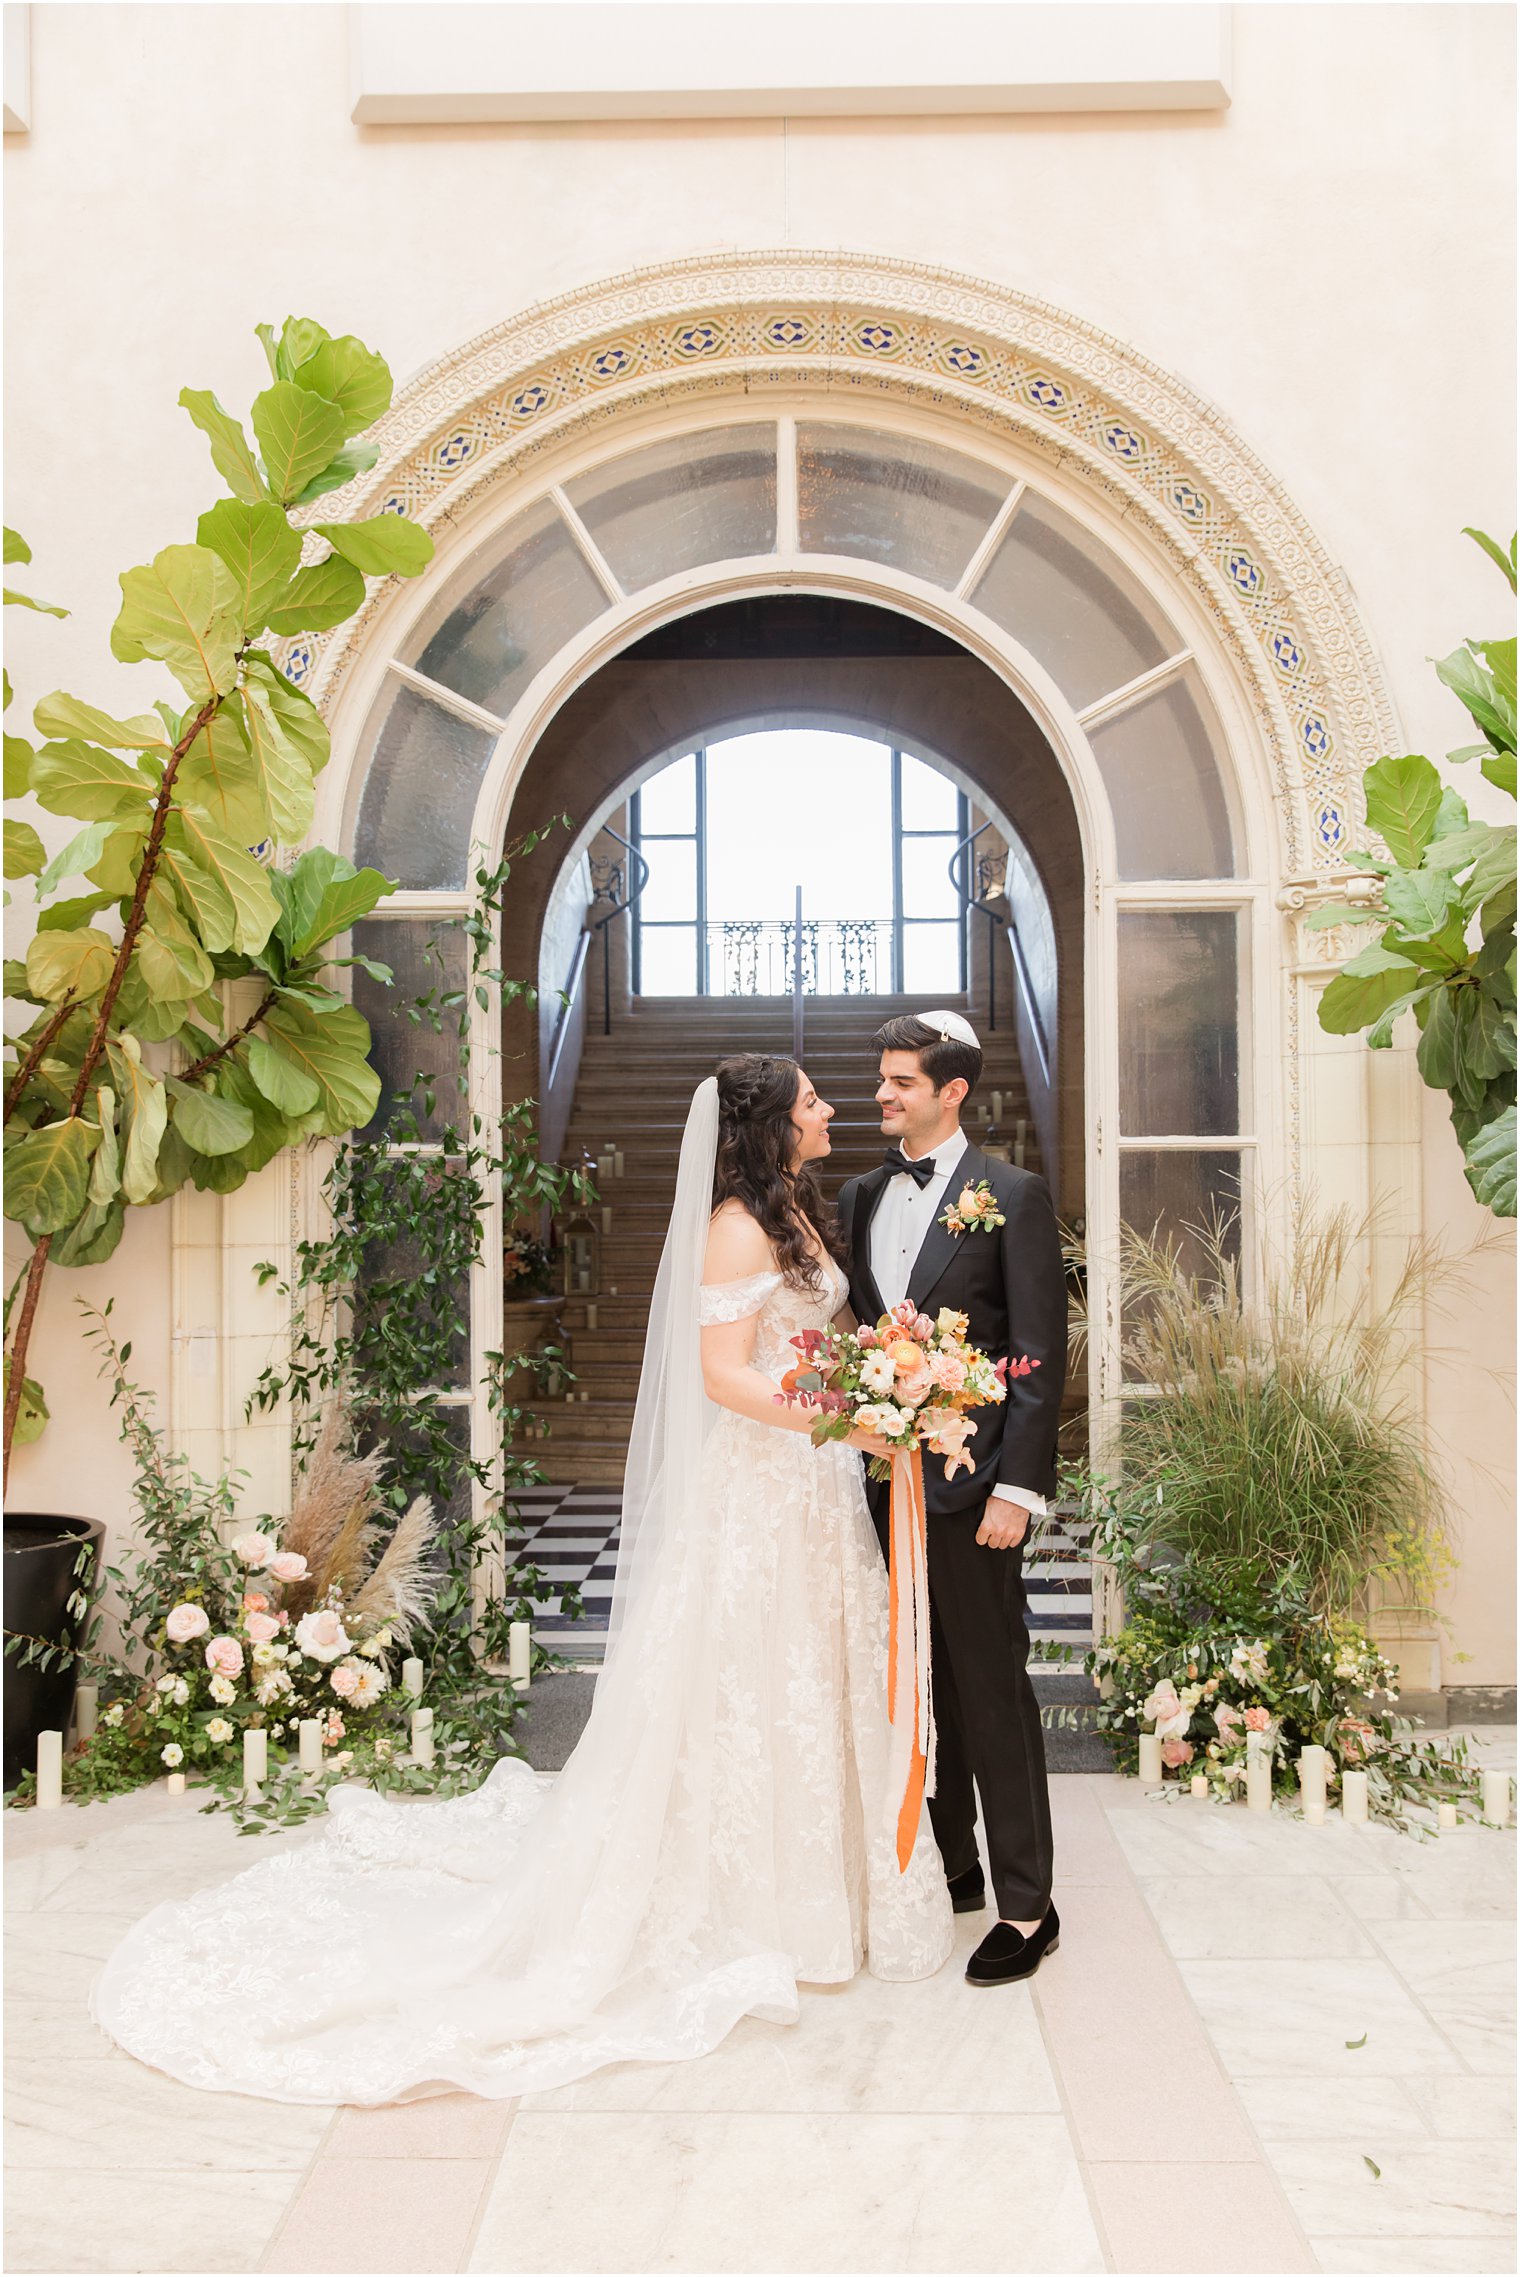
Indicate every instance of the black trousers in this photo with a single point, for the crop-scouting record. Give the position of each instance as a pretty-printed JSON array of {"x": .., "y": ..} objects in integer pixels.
[{"x": 990, "y": 1740}]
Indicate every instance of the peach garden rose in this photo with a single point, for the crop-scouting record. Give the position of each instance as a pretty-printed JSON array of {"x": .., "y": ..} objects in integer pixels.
[
  {"x": 224, "y": 1656},
  {"x": 186, "y": 1623}
]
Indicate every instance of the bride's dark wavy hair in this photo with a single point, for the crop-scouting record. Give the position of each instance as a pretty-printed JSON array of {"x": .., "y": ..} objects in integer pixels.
[{"x": 756, "y": 1094}]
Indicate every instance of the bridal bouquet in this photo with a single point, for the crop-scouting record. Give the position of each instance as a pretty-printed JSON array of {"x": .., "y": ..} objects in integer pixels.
[{"x": 911, "y": 1379}]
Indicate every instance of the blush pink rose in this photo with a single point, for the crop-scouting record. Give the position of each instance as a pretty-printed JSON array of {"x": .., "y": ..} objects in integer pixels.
[
  {"x": 186, "y": 1623},
  {"x": 262, "y": 1628},
  {"x": 1176, "y": 1752},
  {"x": 1257, "y": 1719},
  {"x": 322, "y": 1635},
  {"x": 345, "y": 1682},
  {"x": 224, "y": 1656},
  {"x": 288, "y": 1566},
  {"x": 1225, "y": 1718},
  {"x": 253, "y": 1549}
]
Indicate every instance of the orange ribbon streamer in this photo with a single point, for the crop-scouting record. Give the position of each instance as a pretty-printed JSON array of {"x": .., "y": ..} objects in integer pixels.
[{"x": 908, "y": 1671}]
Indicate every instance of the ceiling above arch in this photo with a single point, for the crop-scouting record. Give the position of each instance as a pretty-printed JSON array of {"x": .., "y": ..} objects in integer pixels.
[{"x": 977, "y": 354}]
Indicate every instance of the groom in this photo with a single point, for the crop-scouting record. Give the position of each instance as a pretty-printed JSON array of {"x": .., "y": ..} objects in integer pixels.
[{"x": 1010, "y": 1283}]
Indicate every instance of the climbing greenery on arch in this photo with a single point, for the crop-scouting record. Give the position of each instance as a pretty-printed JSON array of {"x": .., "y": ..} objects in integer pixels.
[{"x": 133, "y": 1074}]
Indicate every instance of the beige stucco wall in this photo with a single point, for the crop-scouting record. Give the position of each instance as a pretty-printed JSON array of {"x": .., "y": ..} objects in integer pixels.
[{"x": 1330, "y": 261}]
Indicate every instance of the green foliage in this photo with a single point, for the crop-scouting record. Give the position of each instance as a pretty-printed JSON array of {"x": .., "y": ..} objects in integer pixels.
[
  {"x": 183, "y": 814},
  {"x": 1447, "y": 908}
]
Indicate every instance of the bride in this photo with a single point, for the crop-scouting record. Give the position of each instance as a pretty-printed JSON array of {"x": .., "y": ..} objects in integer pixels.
[{"x": 726, "y": 1828}]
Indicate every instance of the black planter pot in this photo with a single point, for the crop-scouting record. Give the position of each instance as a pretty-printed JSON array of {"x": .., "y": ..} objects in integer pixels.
[{"x": 41, "y": 1552}]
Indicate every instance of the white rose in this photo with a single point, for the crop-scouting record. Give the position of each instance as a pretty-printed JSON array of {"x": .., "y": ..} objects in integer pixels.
[
  {"x": 322, "y": 1635},
  {"x": 180, "y": 1693},
  {"x": 223, "y": 1691},
  {"x": 165, "y": 1684},
  {"x": 115, "y": 1712},
  {"x": 263, "y": 1656},
  {"x": 172, "y": 1754},
  {"x": 219, "y": 1730}
]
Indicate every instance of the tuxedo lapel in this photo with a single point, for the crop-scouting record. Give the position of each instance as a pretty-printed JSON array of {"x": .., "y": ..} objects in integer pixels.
[
  {"x": 872, "y": 1188},
  {"x": 939, "y": 1243}
]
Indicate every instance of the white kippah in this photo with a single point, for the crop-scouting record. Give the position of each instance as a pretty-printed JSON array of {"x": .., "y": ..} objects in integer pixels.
[{"x": 952, "y": 1026}]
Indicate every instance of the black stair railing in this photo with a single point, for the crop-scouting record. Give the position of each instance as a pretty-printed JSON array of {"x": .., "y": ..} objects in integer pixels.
[{"x": 604, "y": 924}]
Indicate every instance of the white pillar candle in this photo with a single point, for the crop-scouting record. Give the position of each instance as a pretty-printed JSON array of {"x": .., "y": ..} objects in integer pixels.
[
  {"x": 520, "y": 1654},
  {"x": 175, "y": 1782},
  {"x": 1259, "y": 1783},
  {"x": 255, "y": 1759},
  {"x": 606, "y": 1217},
  {"x": 1312, "y": 1784},
  {"x": 604, "y": 1165},
  {"x": 86, "y": 1710},
  {"x": 411, "y": 1677},
  {"x": 1150, "y": 1759},
  {"x": 310, "y": 1743},
  {"x": 1354, "y": 1797},
  {"x": 49, "y": 1770},
  {"x": 1496, "y": 1797},
  {"x": 997, "y": 1106},
  {"x": 422, "y": 1735},
  {"x": 1198, "y": 1785},
  {"x": 590, "y": 1315},
  {"x": 1446, "y": 1817},
  {"x": 617, "y": 1162}
]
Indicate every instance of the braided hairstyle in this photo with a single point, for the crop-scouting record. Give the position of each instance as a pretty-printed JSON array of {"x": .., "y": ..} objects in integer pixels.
[{"x": 756, "y": 1141}]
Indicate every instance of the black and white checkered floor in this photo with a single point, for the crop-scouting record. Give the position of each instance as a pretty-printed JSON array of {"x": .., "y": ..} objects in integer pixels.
[{"x": 571, "y": 1534}]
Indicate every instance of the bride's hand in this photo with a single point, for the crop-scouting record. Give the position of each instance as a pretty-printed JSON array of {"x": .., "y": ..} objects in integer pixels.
[{"x": 871, "y": 1443}]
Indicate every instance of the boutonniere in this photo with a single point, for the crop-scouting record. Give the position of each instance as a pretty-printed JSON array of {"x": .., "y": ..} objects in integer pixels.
[{"x": 976, "y": 1207}]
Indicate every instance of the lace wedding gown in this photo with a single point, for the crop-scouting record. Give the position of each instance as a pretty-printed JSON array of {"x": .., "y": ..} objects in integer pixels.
[{"x": 723, "y": 1832}]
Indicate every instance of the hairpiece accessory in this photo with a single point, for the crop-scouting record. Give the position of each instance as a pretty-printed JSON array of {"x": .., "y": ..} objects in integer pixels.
[{"x": 952, "y": 1028}]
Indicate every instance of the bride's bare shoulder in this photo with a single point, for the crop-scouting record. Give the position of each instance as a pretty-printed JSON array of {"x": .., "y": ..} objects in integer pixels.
[{"x": 736, "y": 1245}]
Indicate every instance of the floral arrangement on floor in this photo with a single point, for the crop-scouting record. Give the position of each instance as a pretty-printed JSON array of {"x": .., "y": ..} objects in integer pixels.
[
  {"x": 527, "y": 1266},
  {"x": 911, "y": 1379},
  {"x": 305, "y": 1619},
  {"x": 1217, "y": 1672}
]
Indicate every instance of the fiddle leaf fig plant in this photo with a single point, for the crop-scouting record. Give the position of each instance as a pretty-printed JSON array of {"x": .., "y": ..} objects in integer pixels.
[
  {"x": 1447, "y": 910},
  {"x": 179, "y": 1019}
]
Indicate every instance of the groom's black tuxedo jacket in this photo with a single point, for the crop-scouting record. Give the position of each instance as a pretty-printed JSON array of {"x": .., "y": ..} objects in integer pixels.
[{"x": 1011, "y": 1284}]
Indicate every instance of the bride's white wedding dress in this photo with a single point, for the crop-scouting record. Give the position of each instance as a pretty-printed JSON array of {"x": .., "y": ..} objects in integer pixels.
[{"x": 723, "y": 1832}]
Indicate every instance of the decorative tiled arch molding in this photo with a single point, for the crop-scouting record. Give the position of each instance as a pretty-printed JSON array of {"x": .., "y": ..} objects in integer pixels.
[{"x": 980, "y": 352}]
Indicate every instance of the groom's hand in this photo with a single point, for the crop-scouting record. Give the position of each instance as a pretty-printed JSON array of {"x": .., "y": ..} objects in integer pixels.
[{"x": 1004, "y": 1524}]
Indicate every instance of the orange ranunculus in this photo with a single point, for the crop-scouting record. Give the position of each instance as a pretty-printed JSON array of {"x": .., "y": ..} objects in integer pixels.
[{"x": 906, "y": 1356}]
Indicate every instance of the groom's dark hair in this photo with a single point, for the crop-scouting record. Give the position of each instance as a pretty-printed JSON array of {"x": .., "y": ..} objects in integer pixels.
[{"x": 942, "y": 1058}]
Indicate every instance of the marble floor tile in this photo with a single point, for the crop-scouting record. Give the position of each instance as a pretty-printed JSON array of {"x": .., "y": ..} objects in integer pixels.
[
  {"x": 1455, "y": 2109},
  {"x": 1246, "y": 1916},
  {"x": 374, "y": 2217},
  {"x": 778, "y": 2194},
  {"x": 1462, "y": 2189},
  {"x": 36, "y": 1878},
  {"x": 1463, "y": 1975},
  {"x": 941, "y": 2045},
  {"x": 1270, "y": 2018},
  {"x": 1197, "y": 2221},
  {"x": 111, "y": 2114},
  {"x": 167, "y": 2218},
  {"x": 1171, "y": 1840},
  {"x": 1415, "y": 2256},
  {"x": 1305, "y": 2109},
  {"x": 1381, "y": 1897}
]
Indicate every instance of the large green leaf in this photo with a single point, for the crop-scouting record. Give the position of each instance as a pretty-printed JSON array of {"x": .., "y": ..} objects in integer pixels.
[
  {"x": 63, "y": 964},
  {"x": 171, "y": 960},
  {"x": 18, "y": 766},
  {"x": 63, "y": 916},
  {"x": 25, "y": 854},
  {"x": 183, "y": 608},
  {"x": 388, "y": 546},
  {"x": 92, "y": 1238},
  {"x": 15, "y": 600},
  {"x": 272, "y": 1130},
  {"x": 300, "y": 337},
  {"x": 300, "y": 722},
  {"x": 1418, "y": 901},
  {"x": 47, "y": 1174},
  {"x": 233, "y": 868},
  {"x": 1491, "y": 1164},
  {"x": 16, "y": 547},
  {"x": 120, "y": 860},
  {"x": 1495, "y": 552},
  {"x": 1472, "y": 678},
  {"x": 1486, "y": 1033},
  {"x": 1437, "y": 1054},
  {"x": 231, "y": 452},
  {"x": 32, "y": 1410},
  {"x": 318, "y": 598},
  {"x": 82, "y": 852},
  {"x": 204, "y": 898},
  {"x": 323, "y": 895},
  {"x": 220, "y": 779},
  {"x": 290, "y": 1088},
  {"x": 105, "y": 1171},
  {"x": 331, "y": 1047},
  {"x": 299, "y": 433},
  {"x": 64, "y": 716},
  {"x": 283, "y": 776},
  {"x": 209, "y": 1124},
  {"x": 1403, "y": 800},
  {"x": 80, "y": 779},
  {"x": 1368, "y": 986},
  {"x": 356, "y": 457},
  {"x": 144, "y": 1116},
  {"x": 351, "y": 376},
  {"x": 260, "y": 549}
]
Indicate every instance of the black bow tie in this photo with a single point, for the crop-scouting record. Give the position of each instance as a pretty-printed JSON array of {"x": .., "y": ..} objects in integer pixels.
[{"x": 920, "y": 1172}]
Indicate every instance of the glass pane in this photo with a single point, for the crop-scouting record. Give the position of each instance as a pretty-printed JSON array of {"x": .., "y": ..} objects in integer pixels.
[
  {"x": 1179, "y": 1049},
  {"x": 927, "y": 891},
  {"x": 668, "y": 801},
  {"x": 422, "y": 779},
  {"x": 920, "y": 507},
  {"x": 1162, "y": 1195},
  {"x": 1072, "y": 606},
  {"x": 698, "y": 498},
  {"x": 425, "y": 954},
  {"x": 930, "y": 801},
  {"x": 931, "y": 959},
  {"x": 1158, "y": 766},
  {"x": 672, "y": 888},
  {"x": 667, "y": 960},
  {"x": 448, "y": 1445},
  {"x": 495, "y": 627},
  {"x": 395, "y": 1274}
]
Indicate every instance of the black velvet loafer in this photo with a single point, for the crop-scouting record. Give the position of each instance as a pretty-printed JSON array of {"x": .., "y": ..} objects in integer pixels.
[
  {"x": 1005, "y": 1954},
  {"x": 968, "y": 1891}
]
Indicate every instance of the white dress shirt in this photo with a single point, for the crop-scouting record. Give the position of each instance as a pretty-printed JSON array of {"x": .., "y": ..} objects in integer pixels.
[{"x": 903, "y": 1218}]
